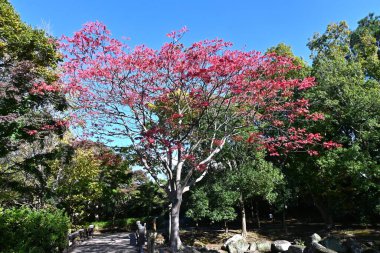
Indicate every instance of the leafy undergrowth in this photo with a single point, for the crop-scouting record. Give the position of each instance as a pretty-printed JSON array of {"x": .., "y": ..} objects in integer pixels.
[{"x": 127, "y": 224}]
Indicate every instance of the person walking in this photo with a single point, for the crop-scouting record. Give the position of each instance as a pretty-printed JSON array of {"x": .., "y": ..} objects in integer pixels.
[{"x": 140, "y": 235}]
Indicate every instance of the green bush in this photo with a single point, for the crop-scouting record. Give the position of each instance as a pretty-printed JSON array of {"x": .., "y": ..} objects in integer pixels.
[
  {"x": 33, "y": 231},
  {"x": 127, "y": 224}
]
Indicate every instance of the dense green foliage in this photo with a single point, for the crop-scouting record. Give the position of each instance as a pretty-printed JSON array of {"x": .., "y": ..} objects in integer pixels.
[
  {"x": 346, "y": 66},
  {"x": 244, "y": 177},
  {"x": 30, "y": 100},
  {"x": 27, "y": 230},
  {"x": 126, "y": 224}
]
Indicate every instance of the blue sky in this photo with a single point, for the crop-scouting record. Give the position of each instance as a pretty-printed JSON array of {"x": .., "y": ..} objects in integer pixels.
[{"x": 250, "y": 25}]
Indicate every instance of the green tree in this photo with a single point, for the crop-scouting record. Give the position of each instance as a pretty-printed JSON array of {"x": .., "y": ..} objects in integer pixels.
[
  {"x": 213, "y": 200},
  {"x": 80, "y": 185},
  {"x": 250, "y": 174},
  {"x": 146, "y": 198},
  {"x": 345, "y": 67},
  {"x": 30, "y": 100},
  {"x": 243, "y": 174}
]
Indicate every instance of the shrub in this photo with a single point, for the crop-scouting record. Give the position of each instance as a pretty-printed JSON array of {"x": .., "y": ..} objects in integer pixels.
[
  {"x": 37, "y": 231},
  {"x": 126, "y": 224}
]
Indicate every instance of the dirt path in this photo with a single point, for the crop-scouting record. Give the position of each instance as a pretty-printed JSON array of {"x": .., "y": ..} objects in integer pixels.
[{"x": 108, "y": 243}]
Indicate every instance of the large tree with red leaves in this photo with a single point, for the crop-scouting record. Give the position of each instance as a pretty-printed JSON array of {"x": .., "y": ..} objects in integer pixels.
[{"x": 178, "y": 106}]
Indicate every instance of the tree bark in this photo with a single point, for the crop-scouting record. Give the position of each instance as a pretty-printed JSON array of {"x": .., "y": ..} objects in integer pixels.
[
  {"x": 324, "y": 211},
  {"x": 243, "y": 218},
  {"x": 175, "y": 241},
  {"x": 258, "y": 215},
  {"x": 284, "y": 225},
  {"x": 170, "y": 221},
  {"x": 252, "y": 208},
  {"x": 225, "y": 227}
]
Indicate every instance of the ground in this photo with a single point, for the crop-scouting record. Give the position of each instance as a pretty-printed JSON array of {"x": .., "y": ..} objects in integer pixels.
[
  {"x": 296, "y": 231},
  {"x": 123, "y": 242},
  {"x": 107, "y": 243}
]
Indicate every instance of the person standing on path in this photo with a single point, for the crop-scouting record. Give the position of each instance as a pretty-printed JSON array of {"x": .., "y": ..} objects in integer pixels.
[{"x": 140, "y": 234}]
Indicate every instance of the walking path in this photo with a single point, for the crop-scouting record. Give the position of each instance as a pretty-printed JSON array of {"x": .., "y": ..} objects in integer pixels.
[{"x": 108, "y": 243}]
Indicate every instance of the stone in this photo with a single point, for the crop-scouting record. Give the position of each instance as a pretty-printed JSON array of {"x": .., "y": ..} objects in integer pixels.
[
  {"x": 296, "y": 249},
  {"x": 233, "y": 239},
  {"x": 318, "y": 248},
  {"x": 315, "y": 238},
  {"x": 369, "y": 244},
  {"x": 335, "y": 244},
  {"x": 236, "y": 244},
  {"x": 371, "y": 251},
  {"x": 164, "y": 250},
  {"x": 252, "y": 246},
  {"x": 280, "y": 245},
  {"x": 264, "y": 246},
  {"x": 190, "y": 250},
  {"x": 353, "y": 246}
]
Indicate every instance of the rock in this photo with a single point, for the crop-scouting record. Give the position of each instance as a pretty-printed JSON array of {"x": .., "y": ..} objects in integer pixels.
[
  {"x": 280, "y": 245},
  {"x": 371, "y": 251},
  {"x": 264, "y": 246},
  {"x": 233, "y": 239},
  {"x": 369, "y": 244},
  {"x": 315, "y": 238},
  {"x": 239, "y": 246},
  {"x": 335, "y": 244},
  {"x": 296, "y": 249},
  {"x": 190, "y": 250},
  {"x": 353, "y": 246},
  {"x": 252, "y": 246},
  {"x": 164, "y": 250},
  {"x": 318, "y": 248},
  {"x": 236, "y": 244}
]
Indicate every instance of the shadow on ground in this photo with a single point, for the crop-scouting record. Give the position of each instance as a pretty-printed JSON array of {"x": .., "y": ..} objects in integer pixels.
[{"x": 108, "y": 243}]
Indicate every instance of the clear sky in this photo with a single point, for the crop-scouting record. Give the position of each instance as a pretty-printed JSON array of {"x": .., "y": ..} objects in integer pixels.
[{"x": 249, "y": 24}]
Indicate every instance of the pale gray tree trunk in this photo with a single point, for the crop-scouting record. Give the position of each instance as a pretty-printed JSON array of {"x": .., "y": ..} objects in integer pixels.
[
  {"x": 243, "y": 216},
  {"x": 175, "y": 241}
]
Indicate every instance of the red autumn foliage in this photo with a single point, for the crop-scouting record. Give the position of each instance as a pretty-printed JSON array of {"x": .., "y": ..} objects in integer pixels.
[{"x": 178, "y": 105}]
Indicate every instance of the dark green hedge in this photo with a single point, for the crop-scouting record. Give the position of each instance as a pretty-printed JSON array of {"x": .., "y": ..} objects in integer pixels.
[
  {"x": 33, "y": 231},
  {"x": 127, "y": 224}
]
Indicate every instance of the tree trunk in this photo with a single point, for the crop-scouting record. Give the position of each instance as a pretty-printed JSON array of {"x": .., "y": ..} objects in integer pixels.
[
  {"x": 170, "y": 221},
  {"x": 258, "y": 215},
  {"x": 324, "y": 211},
  {"x": 252, "y": 213},
  {"x": 284, "y": 225},
  {"x": 225, "y": 227},
  {"x": 243, "y": 218},
  {"x": 175, "y": 241},
  {"x": 152, "y": 236}
]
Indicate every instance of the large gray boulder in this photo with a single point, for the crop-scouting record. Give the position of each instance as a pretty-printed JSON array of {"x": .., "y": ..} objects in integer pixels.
[
  {"x": 252, "y": 246},
  {"x": 315, "y": 238},
  {"x": 280, "y": 245},
  {"x": 233, "y": 239},
  {"x": 296, "y": 249},
  {"x": 188, "y": 249},
  {"x": 335, "y": 244},
  {"x": 264, "y": 246},
  {"x": 318, "y": 248},
  {"x": 236, "y": 244},
  {"x": 371, "y": 251},
  {"x": 353, "y": 246}
]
